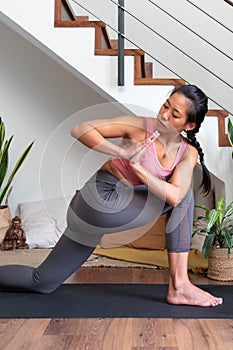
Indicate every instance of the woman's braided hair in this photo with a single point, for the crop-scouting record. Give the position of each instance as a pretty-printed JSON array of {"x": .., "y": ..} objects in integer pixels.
[{"x": 196, "y": 113}]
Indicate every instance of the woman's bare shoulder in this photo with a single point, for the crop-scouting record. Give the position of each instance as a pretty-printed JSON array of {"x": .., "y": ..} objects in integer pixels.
[
  {"x": 131, "y": 121},
  {"x": 191, "y": 153},
  {"x": 191, "y": 149}
]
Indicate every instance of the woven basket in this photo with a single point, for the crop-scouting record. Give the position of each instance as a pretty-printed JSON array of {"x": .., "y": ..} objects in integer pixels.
[
  {"x": 5, "y": 217},
  {"x": 220, "y": 265}
]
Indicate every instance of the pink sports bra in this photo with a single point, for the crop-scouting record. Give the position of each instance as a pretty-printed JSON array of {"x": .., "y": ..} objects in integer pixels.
[{"x": 149, "y": 161}]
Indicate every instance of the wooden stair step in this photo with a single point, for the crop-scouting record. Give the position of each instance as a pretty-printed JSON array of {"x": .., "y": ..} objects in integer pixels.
[
  {"x": 82, "y": 18},
  {"x": 114, "y": 44},
  {"x": 149, "y": 69},
  {"x": 106, "y": 47},
  {"x": 78, "y": 24},
  {"x": 218, "y": 113},
  {"x": 159, "y": 81},
  {"x": 114, "y": 52},
  {"x": 221, "y": 114}
]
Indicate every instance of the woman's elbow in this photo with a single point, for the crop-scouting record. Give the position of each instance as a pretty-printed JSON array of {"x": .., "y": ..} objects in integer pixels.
[
  {"x": 76, "y": 132},
  {"x": 174, "y": 200},
  {"x": 79, "y": 130},
  {"x": 172, "y": 203}
]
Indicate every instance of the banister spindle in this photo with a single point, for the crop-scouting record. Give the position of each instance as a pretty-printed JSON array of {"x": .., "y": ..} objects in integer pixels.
[{"x": 121, "y": 32}]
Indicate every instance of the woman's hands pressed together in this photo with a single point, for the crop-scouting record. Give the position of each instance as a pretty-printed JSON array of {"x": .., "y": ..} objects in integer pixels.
[{"x": 137, "y": 150}]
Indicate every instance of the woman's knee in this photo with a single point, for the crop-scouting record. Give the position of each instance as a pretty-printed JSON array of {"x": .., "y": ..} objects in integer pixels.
[{"x": 43, "y": 283}]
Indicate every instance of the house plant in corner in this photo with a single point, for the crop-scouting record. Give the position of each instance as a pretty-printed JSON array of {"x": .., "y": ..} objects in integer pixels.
[
  {"x": 218, "y": 243},
  {"x": 5, "y": 178}
]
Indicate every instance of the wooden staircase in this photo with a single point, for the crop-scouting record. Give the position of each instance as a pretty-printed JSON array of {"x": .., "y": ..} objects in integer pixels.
[{"x": 143, "y": 71}]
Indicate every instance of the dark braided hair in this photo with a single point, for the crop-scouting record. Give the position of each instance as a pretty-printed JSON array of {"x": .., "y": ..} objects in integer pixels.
[{"x": 196, "y": 113}]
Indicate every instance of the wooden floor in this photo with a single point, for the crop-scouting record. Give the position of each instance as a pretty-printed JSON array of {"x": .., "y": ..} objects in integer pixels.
[{"x": 118, "y": 334}]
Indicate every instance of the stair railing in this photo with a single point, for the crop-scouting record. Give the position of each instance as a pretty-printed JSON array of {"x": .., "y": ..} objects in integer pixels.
[
  {"x": 121, "y": 40},
  {"x": 120, "y": 32},
  {"x": 182, "y": 51},
  {"x": 208, "y": 15}
]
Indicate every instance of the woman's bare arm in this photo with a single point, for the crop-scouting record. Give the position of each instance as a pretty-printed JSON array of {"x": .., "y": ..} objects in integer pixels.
[{"x": 94, "y": 134}]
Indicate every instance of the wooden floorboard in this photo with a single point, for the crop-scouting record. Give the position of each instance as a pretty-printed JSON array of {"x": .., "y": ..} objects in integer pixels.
[{"x": 119, "y": 333}]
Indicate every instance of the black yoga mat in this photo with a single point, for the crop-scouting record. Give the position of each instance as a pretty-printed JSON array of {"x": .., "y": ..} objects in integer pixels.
[{"x": 110, "y": 301}]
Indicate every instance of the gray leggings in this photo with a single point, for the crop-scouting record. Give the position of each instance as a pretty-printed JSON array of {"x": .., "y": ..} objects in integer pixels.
[{"x": 104, "y": 205}]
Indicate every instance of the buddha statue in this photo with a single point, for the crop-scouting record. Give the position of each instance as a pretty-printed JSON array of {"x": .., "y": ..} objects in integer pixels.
[{"x": 15, "y": 237}]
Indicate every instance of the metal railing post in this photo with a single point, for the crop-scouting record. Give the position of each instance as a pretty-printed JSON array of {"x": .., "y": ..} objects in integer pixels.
[{"x": 121, "y": 32}]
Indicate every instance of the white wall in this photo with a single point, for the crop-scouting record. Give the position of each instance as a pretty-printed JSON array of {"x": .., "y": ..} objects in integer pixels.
[
  {"x": 218, "y": 159},
  {"x": 37, "y": 96}
]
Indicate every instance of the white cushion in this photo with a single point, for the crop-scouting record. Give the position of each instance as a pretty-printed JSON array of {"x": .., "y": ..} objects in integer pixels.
[{"x": 44, "y": 221}]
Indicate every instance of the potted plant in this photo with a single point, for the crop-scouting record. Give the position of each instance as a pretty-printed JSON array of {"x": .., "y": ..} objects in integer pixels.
[
  {"x": 5, "y": 178},
  {"x": 218, "y": 243},
  {"x": 230, "y": 133}
]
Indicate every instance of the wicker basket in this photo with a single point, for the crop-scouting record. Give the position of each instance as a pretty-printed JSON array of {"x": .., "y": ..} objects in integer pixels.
[
  {"x": 220, "y": 265},
  {"x": 5, "y": 217}
]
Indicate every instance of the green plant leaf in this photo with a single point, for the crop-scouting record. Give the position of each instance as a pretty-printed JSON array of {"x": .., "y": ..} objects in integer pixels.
[
  {"x": 200, "y": 218},
  {"x": 213, "y": 217},
  {"x": 220, "y": 209},
  {"x": 229, "y": 210},
  {"x": 207, "y": 245},
  {"x": 230, "y": 131},
  {"x": 204, "y": 230},
  {"x": 221, "y": 202},
  {"x": 2, "y": 135},
  {"x": 207, "y": 210},
  {"x": 202, "y": 207},
  {"x": 4, "y": 160},
  {"x": 227, "y": 239},
  {"x": 17, "y": 166}
]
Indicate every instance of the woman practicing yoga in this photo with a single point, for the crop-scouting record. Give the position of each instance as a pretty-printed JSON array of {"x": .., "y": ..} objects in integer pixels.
[{"x": 148, "y": 174}]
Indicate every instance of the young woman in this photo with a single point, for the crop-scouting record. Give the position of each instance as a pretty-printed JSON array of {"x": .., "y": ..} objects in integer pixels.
[{"x": 148, "y": 174}]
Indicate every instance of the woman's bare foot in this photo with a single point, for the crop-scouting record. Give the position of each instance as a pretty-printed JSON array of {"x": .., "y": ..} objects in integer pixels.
[{"x": 188, "y": 294}]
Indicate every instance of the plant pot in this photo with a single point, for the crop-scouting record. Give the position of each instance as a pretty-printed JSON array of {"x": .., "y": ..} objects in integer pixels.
[
  {"x": 220, "y": 265},
  {"x": 5, "y": 217},
  {"x": 5, "y": 220}
]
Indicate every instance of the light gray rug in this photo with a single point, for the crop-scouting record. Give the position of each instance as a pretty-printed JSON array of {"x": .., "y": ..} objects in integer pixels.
[{"x": 34, "y": 257}]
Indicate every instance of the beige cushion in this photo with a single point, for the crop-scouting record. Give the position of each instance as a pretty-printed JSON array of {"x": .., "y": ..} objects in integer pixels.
[
  {"x": 154, "y": 238},
  {"x": 149, "y": 236}
]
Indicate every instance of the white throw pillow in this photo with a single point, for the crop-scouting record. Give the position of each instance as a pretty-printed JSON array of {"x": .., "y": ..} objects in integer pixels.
[{"x": 44, "y": 221}]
